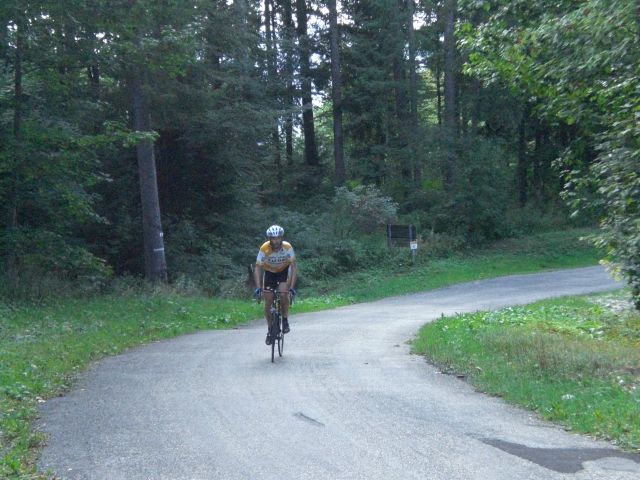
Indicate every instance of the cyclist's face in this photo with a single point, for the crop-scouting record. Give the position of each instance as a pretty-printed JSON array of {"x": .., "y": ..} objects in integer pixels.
[{"x": 276, "y": 242}]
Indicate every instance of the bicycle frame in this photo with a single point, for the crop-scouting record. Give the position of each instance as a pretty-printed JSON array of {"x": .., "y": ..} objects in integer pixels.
[
  {"x": 277, "y": 335},
  {"x": 275, "y": 305},
  {"x": 276, "y": 328}
]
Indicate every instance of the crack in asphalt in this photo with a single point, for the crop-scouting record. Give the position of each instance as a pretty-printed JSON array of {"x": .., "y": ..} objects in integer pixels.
[{"x": 306, "y": 418}]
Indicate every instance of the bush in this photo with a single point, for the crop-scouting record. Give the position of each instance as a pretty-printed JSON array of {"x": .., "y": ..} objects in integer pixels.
[
  {"x": 530, "y": 220},
  {"x": 616, "y": 179},
  {"x": 432, "y": 244},
  {"x": 337, "y": 239},
  {"x": 619, "y": 177},
  {"x": 361, "y": 210},
  {"x": 197, "y": 260},
  {"x": 317, "y": 267},
  {"x": 476, "y": 206},
  {"x": 352, "y": 255},
  {"x": 46, "y": 265}
]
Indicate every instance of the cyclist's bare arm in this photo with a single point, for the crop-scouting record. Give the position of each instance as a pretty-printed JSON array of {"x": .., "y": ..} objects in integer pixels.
[
  {"x": 257, "y": 276},
  {"x": 293, "y": 274}
]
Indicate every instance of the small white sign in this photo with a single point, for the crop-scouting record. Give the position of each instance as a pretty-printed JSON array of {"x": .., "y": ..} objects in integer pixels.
[{"x": 414, "y": 245}]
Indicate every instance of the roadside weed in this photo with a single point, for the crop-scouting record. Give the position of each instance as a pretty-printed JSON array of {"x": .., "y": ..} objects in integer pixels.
[{"x": 571, "y": 360}]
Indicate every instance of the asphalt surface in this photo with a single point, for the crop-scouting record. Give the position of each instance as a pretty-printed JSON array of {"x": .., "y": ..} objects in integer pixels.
[{"x": 346, "y": 401}]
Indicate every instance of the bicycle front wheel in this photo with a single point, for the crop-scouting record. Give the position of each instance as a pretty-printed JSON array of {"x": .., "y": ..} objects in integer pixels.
[
  {"x": 280, "y": 337},
  {"x": 275, "y": 324}
]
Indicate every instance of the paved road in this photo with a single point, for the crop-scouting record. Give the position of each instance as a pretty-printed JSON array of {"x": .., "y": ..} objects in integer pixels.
[{"x": 347, "y": 401}]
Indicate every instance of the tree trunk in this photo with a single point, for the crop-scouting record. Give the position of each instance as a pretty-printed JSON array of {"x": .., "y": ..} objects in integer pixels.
[
  {"x": 540, "y": 163},
  {"x": 272, "y": 68},
  {"x": 537, "y": 166},
  {"x": 463, "y": 108},
  {"x": 240, "y": 9},
  {"x": 439, "y": 93},
  {"x": 288, "y": 36},
  {"x": 399, "y": 77},
  {"x": 477, "y": 106},
  {"x": 308, "y": 126},
  {"x": 450, "y": 89},
  {"x": 402, "y": 129},
  {"x": 93, "y": 77},
  {"x": 522, "y": 160},
  {"x": 336, "y": 95},
  {"x": 154, "y": 255},
  {"x": 413, "y": 77},
  {"x": 413, "y": 94},
  {"x": 17, "y": 107},
  {"x": 450, "y": 70},
  {"x": 12, "y": 220}
]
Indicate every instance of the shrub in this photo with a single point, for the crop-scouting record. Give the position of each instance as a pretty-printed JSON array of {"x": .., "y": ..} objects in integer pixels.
[
  {"x": 432, "y": 244},
  {"x": 616, "y": 178},
  {"x": 45, "y": 264},
  {"x": 479, "y": 198},
  {"x": 351, "y": 254},
  {"x": 530, "y": 219},
  {"x": 363, "y": 209},
  {"x": 317, "y": 267},
  {"x": 199, "y": 260}
]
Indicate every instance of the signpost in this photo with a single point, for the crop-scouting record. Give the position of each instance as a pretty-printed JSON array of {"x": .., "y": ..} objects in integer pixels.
[{"x": 402, "y": 235}]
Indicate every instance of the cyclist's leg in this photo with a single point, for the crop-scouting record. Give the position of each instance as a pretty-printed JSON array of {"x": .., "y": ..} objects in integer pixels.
[
  {"x": 284, "y": 299},
  {"x": 284, "y": 305},
  {"x": 283, "y": 288},
  {"x": 268, "y": 300},
  {"x": 270, "y": 285}
]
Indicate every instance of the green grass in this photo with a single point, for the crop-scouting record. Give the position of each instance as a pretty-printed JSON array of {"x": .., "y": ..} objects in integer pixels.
[
  {"x": 552, "y": 250},
  {"x": 43, "y": 348},
  {"x": 571, "y": 360}
]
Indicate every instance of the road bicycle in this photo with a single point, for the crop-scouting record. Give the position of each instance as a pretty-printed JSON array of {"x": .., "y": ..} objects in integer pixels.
[{"x": 276, "y": 331}]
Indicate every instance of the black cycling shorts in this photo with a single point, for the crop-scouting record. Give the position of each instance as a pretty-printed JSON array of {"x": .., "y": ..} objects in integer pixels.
[{"x": 271, "y": 280}]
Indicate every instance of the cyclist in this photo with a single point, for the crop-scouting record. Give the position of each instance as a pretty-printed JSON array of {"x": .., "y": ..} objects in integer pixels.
[{"x": 275, "y": 269}]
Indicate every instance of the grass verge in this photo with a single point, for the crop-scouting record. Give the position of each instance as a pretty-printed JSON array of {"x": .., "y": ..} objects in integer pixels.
[
  {"x": 551, "y": 250},
  {"x": 42, "y": 348},
  {"x": 572, "y": 360}
]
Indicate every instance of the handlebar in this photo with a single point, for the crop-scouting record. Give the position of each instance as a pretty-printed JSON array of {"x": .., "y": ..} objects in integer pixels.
[{"x": 259, "y": 294}]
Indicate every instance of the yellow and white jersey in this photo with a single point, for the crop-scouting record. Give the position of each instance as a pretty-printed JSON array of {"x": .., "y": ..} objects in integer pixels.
[{"x": 275, "y": 261}]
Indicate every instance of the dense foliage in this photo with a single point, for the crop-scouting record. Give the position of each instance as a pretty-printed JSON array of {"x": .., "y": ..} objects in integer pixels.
[
  {"x": 452, "y": 129},
  {"x": 579, "y": 65}
]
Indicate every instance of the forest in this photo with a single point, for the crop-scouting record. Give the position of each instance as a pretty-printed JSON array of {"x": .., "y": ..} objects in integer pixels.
[{"x": 159, "y": 139}]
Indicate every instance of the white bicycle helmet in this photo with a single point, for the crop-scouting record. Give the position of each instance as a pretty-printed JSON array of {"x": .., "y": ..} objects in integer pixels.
[{"x": 275, "y": 231}]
